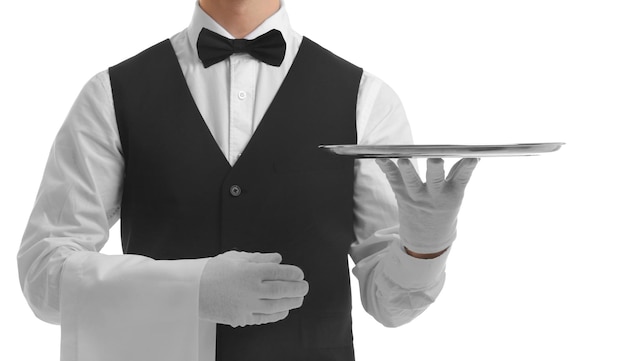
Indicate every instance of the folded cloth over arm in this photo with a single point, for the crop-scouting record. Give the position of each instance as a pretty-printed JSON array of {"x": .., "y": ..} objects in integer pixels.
[{"x": 129, "y": 308}]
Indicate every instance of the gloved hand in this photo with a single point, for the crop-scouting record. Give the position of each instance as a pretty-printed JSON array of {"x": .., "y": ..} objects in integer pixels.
[
  {"x": 240, "y": 288},
  {"x": 428, "y": 211}
]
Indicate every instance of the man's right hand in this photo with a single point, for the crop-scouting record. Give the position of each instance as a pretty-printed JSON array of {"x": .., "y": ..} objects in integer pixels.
[{"x": 240, "y": 288}]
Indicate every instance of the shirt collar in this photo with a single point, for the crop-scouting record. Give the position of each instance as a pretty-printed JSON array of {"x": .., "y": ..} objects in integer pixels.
[{"x": 279, "y": 20}]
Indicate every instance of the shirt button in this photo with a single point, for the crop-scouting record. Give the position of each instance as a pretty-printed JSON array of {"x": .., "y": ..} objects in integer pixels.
[
  {"x": 235, "y": 190},
  {"x": 242, "y": 95}
]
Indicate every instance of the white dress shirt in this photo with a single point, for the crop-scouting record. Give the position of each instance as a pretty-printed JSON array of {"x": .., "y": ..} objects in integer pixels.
[{"x": 131, "y": 307}]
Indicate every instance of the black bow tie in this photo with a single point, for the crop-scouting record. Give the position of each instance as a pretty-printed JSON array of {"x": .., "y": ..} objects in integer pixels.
[{"x": 268, "y": 48}]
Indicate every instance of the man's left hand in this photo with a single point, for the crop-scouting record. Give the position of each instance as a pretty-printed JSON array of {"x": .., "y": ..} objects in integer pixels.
[{"x": 428, "y": 211}]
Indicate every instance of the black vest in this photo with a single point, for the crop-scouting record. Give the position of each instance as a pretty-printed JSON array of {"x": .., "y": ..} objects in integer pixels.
[{"x": 182, "y": 199}]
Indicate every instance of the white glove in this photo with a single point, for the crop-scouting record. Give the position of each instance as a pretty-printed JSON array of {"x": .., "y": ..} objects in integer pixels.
[
  {"x": 240, "y": 288},
  {"x": 428, "y": 211}
]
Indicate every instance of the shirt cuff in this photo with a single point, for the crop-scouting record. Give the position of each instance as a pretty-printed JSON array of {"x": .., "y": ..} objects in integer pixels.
[{"x": 412, "y": 273}]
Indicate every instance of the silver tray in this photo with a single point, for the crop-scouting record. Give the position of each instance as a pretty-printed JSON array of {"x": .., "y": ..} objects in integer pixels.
[{"x": 442, "y": 150}]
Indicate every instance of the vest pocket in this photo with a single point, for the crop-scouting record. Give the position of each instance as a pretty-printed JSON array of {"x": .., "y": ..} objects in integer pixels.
[{"x": 327, "y": 330}]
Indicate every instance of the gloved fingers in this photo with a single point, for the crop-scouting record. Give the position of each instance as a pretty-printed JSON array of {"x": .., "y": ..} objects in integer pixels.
[
  {"x": 262, "y": 257},
  {"x": 453, "y": 170},
  {"x": 262, "y": 318},
  {"x": 411, "y": 179},
  {"x": 280, "y": 305},
  {"x": 435, "y": 173},
  {"x": 393, "y": 176},
  {"x": 274, "y": 290},
  {"x": 462, "y": 171},
  {"x": 281, "y": 272}
]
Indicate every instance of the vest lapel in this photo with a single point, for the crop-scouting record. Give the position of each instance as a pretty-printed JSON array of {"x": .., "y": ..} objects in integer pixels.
[{"x": 184, "y": 90}]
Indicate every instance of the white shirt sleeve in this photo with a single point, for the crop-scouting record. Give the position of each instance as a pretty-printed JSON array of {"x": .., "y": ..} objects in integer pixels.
[
  {"x": 395, "y": 287},
  {"x": 119, "y": 307}
]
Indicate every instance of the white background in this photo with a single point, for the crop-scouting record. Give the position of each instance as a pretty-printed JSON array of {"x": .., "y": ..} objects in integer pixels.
[{"x": 538, "y": 269}]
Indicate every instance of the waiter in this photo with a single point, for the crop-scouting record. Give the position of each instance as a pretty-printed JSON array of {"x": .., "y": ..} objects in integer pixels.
[{"x": 235, "y": 227}]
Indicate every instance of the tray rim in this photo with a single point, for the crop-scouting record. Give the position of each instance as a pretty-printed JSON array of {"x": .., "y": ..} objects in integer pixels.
[{"x": 442, "y": 150}]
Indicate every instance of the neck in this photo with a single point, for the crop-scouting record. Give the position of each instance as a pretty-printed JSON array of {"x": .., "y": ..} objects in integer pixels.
[{"x": 239, "y": 17}]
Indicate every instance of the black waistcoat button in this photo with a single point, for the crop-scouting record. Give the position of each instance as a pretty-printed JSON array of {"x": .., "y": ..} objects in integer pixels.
[{"x": 235, "y": 190}]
